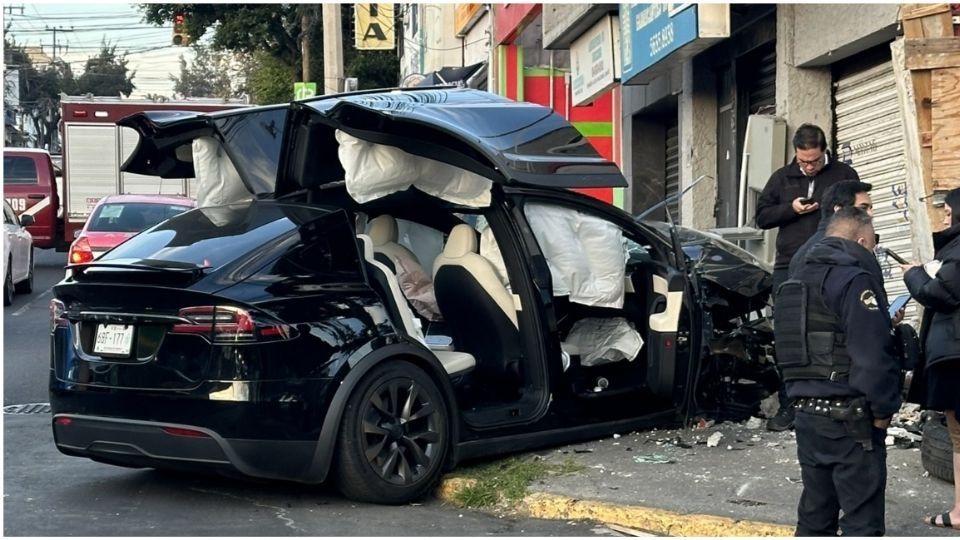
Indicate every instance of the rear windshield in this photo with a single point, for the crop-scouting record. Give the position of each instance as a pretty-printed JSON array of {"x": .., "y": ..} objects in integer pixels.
[
  {"x": 19, "y": 170},
  {"x": 213, "y": 236},
  {"x": 132, "y": 217}
]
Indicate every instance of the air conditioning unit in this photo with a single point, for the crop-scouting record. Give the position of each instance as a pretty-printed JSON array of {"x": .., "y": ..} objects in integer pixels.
[{"x": 351, "y": 84}]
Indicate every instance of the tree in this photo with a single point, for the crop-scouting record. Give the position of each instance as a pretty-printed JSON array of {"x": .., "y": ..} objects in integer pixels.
[
  {"x": 106, "y": 74},
  {"x": 39, "y": 94},
  {"x": 269, "y": 79},
  {"x": 211, "y": 74},
  {"x": 374, "y": 69}
]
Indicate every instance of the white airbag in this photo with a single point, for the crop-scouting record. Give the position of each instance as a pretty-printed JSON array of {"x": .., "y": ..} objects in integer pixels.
[
  {"x": 218, "y": 181},
  {"x": 586, "y": 254},
  {"x": 602, "y": 341},
  {"x": 374, "y": 170}
]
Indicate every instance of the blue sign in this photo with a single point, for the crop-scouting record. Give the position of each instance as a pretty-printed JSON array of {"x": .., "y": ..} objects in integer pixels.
[{"x": 649, "y": 32}]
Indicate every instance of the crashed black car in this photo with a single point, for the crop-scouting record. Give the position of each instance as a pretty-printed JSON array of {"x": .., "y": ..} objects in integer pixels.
[{"x": 275, "y": 332}]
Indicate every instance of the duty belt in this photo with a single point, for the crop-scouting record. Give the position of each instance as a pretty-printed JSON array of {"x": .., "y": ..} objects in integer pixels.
[{"x": 838, "y": 408}]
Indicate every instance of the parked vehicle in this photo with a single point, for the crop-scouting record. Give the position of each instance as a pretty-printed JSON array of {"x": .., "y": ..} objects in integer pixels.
[
  {"x": 17, "y": 254},
  {"x": 269, "y": 337},
  {"x": 30, "y": 187},
  {"x": 117, "y": 218}
]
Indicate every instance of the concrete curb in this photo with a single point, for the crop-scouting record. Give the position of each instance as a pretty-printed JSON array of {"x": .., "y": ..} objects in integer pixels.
[{"x": 653, "y": 520}]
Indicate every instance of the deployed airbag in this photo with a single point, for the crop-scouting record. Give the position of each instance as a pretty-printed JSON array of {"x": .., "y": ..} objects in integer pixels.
[
  {"x": 602, "y": 341},
  {"x": 586, "y": 254},
  {"x": 218, "y": 181},
  {"x": 375, "y": 170}
]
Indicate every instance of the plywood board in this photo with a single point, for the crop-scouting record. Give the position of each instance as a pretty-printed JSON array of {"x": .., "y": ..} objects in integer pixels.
[
  {"x": 932, "y": 53},
  {"x": 929, "y": 21},
  {"x": 921, "y": 95},
  {"x": 945, "y": 87}
]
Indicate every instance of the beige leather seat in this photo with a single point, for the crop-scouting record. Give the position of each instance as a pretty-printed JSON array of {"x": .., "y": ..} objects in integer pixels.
[
  {"x": 480, "y": 312},
  {"x": 383, "y": 233}
]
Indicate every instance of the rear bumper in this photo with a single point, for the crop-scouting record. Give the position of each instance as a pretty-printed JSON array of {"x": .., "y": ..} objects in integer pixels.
[{"x": 137, "y": 443}]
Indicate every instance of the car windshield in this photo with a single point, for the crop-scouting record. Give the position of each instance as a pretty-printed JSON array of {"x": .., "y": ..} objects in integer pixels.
[
  {"x": 213, "y": 236},
  {"x": 132, "y": 217}
]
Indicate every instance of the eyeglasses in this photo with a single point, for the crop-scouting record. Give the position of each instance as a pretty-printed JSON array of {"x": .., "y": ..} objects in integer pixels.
[{"x": 812, "y": 163}]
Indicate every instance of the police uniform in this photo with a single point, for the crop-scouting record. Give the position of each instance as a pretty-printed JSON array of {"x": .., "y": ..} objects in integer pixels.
[{"x": 834, "y": 345}]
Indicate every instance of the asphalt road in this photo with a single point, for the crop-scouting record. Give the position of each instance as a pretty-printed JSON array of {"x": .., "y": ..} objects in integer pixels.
[{"x": 46, "y": 493}]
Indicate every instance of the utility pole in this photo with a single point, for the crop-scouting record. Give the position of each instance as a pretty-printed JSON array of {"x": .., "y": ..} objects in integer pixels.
[
  {"x": 9, "y": 9},
  {"x": 55, "y": 30},
  {"x": 332, "y": 49},
  {"x": 305, "y": 37}
]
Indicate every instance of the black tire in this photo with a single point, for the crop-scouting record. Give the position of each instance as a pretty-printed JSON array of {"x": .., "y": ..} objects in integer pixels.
[
  {"x": 394, "y": 437},
  {"x": 8, "y": 286},
  {"x": 936, "y": 450},
  {"x": 26, "y": 286}
]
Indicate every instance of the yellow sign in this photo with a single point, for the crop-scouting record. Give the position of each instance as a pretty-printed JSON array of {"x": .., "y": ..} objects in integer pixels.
[
  {"x": 373, "y": 28},
  {"x": 466, "y": 15}
]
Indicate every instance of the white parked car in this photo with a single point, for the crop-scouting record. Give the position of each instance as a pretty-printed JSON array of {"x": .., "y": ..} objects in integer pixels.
[{"x": 17, "y": 254}]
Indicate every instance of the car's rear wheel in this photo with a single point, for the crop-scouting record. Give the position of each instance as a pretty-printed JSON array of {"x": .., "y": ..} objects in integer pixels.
[
  {"x": 8, "y": 286},
  {"x": 26, "y": 286},
  {"x": 394, "y": 437}
]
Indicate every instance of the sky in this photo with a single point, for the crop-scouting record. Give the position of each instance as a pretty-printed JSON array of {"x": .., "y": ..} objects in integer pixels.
[{"x": 149, "y": 50}]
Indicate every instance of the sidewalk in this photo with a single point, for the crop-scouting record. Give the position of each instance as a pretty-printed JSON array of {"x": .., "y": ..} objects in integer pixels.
[{"x": 673, "y": 483}]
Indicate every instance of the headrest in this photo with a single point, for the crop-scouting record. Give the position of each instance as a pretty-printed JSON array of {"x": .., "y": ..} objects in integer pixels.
[
  {"x": 462, "y": 240},
  {"x": 383, "y": 230}
]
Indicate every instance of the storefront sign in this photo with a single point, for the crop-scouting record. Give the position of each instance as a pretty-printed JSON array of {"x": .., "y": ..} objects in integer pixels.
[
  {"x": 595, "y": 59},
  {"x": 652, "y": 32},
  {"x": 466, "y": 15},
  {"x": 373, "y": 26}
]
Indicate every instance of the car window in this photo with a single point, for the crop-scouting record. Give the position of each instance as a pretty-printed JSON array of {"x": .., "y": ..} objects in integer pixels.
[
  {"x": 253, "y": 142},
  {"x": 19, "y": 170},
  {"x": 132, "y": 217}
]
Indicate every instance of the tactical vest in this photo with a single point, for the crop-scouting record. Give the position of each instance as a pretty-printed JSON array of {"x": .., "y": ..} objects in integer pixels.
[{"x": 810, "y": 341}]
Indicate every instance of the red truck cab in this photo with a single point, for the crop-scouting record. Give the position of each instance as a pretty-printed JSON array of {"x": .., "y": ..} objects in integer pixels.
[{"x": 30, "y": 187}]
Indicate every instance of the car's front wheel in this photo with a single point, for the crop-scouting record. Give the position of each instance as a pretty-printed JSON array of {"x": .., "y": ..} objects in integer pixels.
[
  {"x": 8, "y": 286},
  {"x": 394, "y": 437}
]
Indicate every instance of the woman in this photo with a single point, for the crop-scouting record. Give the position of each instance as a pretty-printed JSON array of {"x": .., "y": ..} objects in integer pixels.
[{"x": 940, "y": 297}]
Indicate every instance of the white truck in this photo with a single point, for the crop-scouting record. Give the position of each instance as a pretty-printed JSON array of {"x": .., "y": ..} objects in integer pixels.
[{"x": 94, "y": 148}]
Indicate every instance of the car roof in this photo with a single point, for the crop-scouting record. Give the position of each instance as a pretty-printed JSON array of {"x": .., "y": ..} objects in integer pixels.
[
  {"x": 149, "y": 199},
  {"x": 15, "y": 149}
]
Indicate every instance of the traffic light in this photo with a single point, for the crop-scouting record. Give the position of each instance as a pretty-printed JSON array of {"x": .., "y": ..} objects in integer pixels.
[{"x": 180, "y": 37}]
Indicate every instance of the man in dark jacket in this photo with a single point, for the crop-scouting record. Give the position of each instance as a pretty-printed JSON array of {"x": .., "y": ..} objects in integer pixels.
[
  {"x": 790, "y": 201},
  {"x": 843, "y": 194},
  {"x": 836, "y": 353},
  {"x": 791, "y": 198}
]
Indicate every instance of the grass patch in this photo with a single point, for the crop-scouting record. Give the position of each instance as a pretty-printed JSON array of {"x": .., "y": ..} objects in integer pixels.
[{"x": 507, "y": 480}]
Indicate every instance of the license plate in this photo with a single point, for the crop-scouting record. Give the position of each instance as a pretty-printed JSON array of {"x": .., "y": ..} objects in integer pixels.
[{"x": 113, "y": 339}]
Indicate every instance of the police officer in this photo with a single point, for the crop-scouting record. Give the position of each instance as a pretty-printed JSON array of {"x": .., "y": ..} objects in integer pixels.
[{"x": 836, "y": 352}]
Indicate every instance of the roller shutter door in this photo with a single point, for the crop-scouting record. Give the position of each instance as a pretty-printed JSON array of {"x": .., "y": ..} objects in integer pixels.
[
  {"x": 672, "y": 171},
  {"x": 869, "y": 137}
]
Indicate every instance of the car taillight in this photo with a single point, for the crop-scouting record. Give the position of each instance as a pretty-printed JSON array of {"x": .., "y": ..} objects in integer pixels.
[
  {"x": 228, "y": 324},
  {"x": 58, "y": 313},
  {"x": 80, "y": 251}
]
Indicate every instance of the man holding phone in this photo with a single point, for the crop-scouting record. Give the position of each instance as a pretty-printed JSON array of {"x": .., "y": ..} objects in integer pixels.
[{"x": 790, "y": 202}]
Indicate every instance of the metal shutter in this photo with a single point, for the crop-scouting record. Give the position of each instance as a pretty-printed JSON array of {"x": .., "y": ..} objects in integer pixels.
[
  {"x": 869, "y": 137},
  {"x": 91, "y": 166},
  {"x": 763, "y": 86},
  {"x": 672, "y": 171}
]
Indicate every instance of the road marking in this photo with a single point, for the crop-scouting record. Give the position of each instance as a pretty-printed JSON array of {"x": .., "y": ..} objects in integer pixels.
[{"x": 29, "y": 304}]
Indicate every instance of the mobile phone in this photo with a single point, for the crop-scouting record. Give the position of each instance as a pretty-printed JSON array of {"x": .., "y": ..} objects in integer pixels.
[
  {"x": 806, "y": 200},
  {"x": 898, "y": 303},
  {"x": 894, "y": 256}
]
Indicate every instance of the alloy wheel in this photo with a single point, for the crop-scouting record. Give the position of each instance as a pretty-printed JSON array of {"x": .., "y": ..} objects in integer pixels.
[{"x": 401, "y": 431}]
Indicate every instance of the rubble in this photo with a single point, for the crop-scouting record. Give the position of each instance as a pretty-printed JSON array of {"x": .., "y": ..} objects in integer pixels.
[
  {"x": 653, "y": 458},
  {"x": 714, "y": 439},
  {"x": 754, "y": 423}
]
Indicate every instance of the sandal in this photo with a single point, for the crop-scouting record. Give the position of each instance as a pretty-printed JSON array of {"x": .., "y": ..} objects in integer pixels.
[{"x": 944, "y": 523}]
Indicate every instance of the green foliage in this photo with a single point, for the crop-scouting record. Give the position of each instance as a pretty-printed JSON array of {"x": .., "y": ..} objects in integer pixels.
[
  {"x": 209, "y": 75},
  {"x": 507, "y": 480},
  {"x": 269, "y": 80},
  {"x": 374, "y": 69},
  {"x": 106, "y": 74},
  {"x": 39, "y": 93}
]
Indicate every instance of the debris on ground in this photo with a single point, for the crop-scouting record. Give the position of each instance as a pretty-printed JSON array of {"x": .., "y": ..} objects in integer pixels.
[
  {"x": 754, "y": 423},
  {"x": 770, "y": 405},
  {"x": 714, "y": 439},
  {"x": 703, "y": 423},
  {"x": 653, "y": 458},
  {"x": 902, "y": 438}
]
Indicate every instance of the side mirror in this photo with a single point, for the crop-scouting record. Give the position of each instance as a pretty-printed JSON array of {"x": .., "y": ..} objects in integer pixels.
[{"x": 26, "y": 220}]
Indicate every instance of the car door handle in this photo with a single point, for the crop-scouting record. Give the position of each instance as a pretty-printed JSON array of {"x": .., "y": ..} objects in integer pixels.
[{"x": 35, "y": 196}]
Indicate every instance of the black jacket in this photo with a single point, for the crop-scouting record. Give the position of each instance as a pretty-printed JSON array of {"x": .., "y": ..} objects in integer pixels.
[
  {"x": 796, "y": 262},
  {"x": 854, "y": 291},
  {"x": 940, "y": 297},
  {"x": 775, "y": 206}
]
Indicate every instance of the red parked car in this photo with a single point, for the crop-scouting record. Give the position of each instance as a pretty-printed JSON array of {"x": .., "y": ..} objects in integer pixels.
[{"x": 116, "y": 218}]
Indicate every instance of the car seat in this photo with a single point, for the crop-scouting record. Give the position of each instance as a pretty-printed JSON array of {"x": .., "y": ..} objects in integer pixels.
[
  {"x": 383, "y": 233},
  {"x": 480, "y": 312}
]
